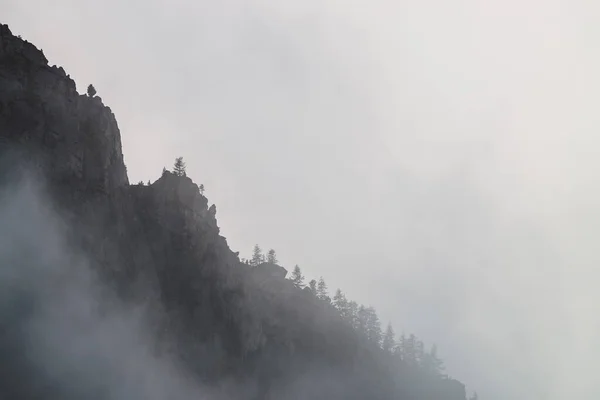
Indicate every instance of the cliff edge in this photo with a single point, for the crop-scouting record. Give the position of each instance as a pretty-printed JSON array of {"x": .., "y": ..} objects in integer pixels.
[{"x": 160, "y": 243}]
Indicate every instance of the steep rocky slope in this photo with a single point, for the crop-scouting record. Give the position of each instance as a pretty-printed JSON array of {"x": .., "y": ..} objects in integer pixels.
[{"x": 160, "y": 244}]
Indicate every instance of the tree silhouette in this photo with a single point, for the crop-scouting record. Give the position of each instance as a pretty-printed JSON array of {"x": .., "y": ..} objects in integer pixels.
[
  {"x": 297, "y": 277},
  {"x": 179, "y": 167},
  {"x": 312, "y": 285},
  {"x": 361, "y": 320},
  {"x": 401, "y": 346},
  {"x": 201, "y": 188},
  {"x": 341, "y": 303},
  {"x": 409, "y": 350},
  {"x": 272, "y": 257},
  {"x": 430, "y": 362},
  {"x": 373, "y": 326},
  {"x": 91, "y": 90},
  {"x": 389, "y": 341},
  {"x": 322, "y": 290},
  {"x": 352, "y": 313},
  {"x": 257, "y": 256}
]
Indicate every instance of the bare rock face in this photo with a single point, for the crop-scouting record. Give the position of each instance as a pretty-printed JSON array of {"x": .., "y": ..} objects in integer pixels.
[
  {"x": 270, "y": 270},
  {"x": 73, "y": 138}
]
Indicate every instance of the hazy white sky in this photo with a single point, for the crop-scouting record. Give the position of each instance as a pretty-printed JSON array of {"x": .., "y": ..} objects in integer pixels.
[{"x": 435, "y": 159}]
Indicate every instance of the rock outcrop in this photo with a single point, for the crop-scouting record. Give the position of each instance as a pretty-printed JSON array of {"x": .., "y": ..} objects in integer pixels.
[
  {"x": 161, "y": 243},
  {"x": 74, "y": 139}
]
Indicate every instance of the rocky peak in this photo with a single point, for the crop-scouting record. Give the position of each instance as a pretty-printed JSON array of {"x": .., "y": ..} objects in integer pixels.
[
  {"x": 183, "y": 188},
  {"x": 15, "y": 46},
  {"x": 71, "y": 138}
]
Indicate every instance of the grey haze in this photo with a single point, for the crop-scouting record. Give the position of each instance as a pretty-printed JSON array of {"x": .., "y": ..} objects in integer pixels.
[{"x": 435, "y": 159}]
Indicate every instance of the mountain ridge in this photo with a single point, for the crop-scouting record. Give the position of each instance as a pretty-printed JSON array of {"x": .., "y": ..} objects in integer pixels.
[{"x": 161, "y": 244}]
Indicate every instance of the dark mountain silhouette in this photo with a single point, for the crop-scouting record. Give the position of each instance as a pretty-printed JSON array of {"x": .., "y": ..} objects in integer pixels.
[{"x": 231, "y": 327}]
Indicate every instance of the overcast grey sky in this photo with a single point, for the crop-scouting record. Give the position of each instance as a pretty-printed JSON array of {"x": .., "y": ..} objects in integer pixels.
[{"x": 436, "y": 159}]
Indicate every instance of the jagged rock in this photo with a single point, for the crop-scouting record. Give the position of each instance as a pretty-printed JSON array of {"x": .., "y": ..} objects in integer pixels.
[
  {"x": 70, "y": 137},
  {"x": 270, "y": 270}
]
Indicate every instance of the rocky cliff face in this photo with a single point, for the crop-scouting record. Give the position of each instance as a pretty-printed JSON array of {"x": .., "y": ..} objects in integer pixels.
[
  {"x": 75, "y": 138},
  {"x": 161, "y": 244}
]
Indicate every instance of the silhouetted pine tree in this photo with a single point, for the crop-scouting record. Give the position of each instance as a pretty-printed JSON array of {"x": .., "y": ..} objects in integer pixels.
[
  {"x": 389, "y": 340},
  {"x": 431, "y": 364},
  {"x": 312, "y": 285},
  {"x": 322, "y": 290},
  {"x": 272, "y": 257},
  {"x": 400, "y": 346},
  {"x": 341, "y": 303},
  {"x": 297, "y": 278},
  {"x": 179, "y": 167},
  {"x": 361, "y": 320},
  {"x": 257, "y": 256},
  {"x": 91, "y": 90},
  {"x": 410, "y": 351},
  {"x": 373, "y": 326},
  {"x": 353, "y": 313}
]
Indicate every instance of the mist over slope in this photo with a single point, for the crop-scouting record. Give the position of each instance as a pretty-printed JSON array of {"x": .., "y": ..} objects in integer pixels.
[
  {"x": 119, "y": 291},
  {"x": 64, "y": 336}
]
